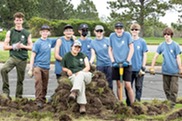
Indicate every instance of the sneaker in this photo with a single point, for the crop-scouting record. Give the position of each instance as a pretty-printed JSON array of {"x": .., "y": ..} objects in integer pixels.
[
  {"x": 40, "y": 104},
  {"x": 82, "y": 109}
]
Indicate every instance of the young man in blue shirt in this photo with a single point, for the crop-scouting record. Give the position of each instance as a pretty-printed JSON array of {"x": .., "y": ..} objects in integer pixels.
[
  {"x": 40, "y": 63},
  {"x": 121, "y": 51},
  {"x": 99, "y": 48},
  {"x": 138, "y": 61},
  {"x": 171, "y": 65},
  {"x": 85, "y": 41},
  {"x": 63, "y": 45}
]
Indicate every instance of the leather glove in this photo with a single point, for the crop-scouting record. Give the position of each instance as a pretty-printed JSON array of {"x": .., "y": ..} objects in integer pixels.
[
  {"x": 152, "y": 71},
  {"x": 142, "y": 71},
  {"x": 114, "y": 64},
  {"x": 16, "y": 46},
  {"x": 30, "y": 73},
  {"x": 125, "y": 64}
]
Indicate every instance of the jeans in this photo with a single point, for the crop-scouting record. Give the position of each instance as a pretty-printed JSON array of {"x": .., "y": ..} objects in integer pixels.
[{"x": 107, "y": 70}]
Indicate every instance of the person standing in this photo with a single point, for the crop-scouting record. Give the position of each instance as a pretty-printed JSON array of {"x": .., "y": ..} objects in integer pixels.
[
  {"x": 99, "y": 48},
  {"x": 83, "y": 30},
  {"x": 121, "y": 51},
  {"x": 63, "y": 45},
  {"x": 18, "y": 41},
  {"x": 40, "y": 64},
  {"x": 77, "y": 67},
  {"x": 171, "y": 65},
  {"x": 138, "y": 60}
]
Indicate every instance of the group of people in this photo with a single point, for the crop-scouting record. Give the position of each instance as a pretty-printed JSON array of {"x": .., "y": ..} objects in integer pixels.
[{"x": 74, "y": 56}]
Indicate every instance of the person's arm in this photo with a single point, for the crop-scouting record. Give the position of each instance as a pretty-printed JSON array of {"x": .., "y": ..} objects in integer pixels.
[
  {"x": 131, "y": 51},
  {"x": 87, "y": 65},
  {"x": 6, "y": 45},
  {"x": 56, "y": 50},
  {"x": 144, "y": 59},
  {"x": 33, "y": 54},
  {"x": 29, "y": 44},
  {"x": 92, "y": 56},
  {"x": 68, "y": 71},
  {"x": 179, "y": 63},
  {"x": 111, "y": 54},
  {"x": 154, "y": 60}
]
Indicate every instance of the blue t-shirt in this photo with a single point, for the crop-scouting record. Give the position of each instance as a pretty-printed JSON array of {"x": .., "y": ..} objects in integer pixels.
[
  {"x": 86, "y": 47},
  {"x": 140, "y": 47},
  {"x": 101, "y": 50},
  {"x": 120, "y": 46},
  {"x": 169, "y": 53},
  {"x": 42, "y": 48},
  {"x": 64, "y": 48}
]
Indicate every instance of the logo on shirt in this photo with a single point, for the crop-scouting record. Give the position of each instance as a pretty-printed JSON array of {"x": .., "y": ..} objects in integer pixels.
[
  {"x": 88, "y": 46},
  {"x": 138, "y": 47},
  {"x": 81, "y": 61},
  {"x": 104, "y": 45},
  {"x": 49, "y": 45},
  {"x": 171, "y": 51},
  {"x": 122, "y": 42}
]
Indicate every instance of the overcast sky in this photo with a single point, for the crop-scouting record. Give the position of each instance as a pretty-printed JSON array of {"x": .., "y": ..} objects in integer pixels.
[{"x": 103, "y": 11}]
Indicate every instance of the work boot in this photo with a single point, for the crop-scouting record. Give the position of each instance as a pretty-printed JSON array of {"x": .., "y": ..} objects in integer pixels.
[
  {"x": 82, "y": 109},
  {"x": 72, "y": 96}
]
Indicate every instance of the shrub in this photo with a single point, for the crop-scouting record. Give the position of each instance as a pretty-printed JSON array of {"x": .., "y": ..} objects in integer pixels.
[{"x": 2, "y": 35}]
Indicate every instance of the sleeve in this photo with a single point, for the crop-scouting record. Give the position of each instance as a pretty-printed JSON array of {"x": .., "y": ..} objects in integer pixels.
[
  {"x": 92, "y": 44},
  {"x": 36, "y": 47},
  {"x": 159, "y": 49},
  {"x": 63, "y": 62},
  {"x": 53, "y": 42},
  {"x": 145, "y": 48},
  {"x": 178, "y": 50}
]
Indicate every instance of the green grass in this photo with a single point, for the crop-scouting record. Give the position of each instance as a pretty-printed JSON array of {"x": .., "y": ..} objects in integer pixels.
[
  {"x": 158, "y": 40},
  {"x": 5, "y": 55}
]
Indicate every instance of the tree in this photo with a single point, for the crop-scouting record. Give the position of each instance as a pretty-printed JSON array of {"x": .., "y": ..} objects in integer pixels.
[
  {"x": 55, "y": 9},
  {"x": 129, "y": 11},
  {"x": 9, "y": 7},
  {"x": 86, "y": 10}
]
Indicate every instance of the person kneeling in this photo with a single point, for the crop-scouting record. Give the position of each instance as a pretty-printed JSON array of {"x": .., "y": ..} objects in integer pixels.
[{"x": 77, "y": 67}]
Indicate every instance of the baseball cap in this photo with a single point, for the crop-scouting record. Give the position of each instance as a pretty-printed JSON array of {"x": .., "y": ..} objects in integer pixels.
[
  {"x": 119, "y": 24},
  {"x": 77, "y": 43},
  {"x": 45, "y": 27},
  {"x": 68, "y": 26},
  {"x": 83, "y": 26},
  {"x": 99, "y": 27}
]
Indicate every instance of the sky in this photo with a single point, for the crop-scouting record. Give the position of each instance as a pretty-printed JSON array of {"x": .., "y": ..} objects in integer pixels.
[{"x": 103, "y": 11}]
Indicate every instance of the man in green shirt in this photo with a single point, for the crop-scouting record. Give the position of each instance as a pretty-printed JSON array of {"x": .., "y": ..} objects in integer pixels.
[
  {"x": 77, "y": 67},
  {"x": 18, "y": 42}
]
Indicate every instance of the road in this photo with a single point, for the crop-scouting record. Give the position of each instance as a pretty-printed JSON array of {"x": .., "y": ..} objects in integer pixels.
[{"x": 152, "y": 85}]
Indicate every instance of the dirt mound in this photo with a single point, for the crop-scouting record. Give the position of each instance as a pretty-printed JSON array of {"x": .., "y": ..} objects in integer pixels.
[
  {"x": 102, "y": 103},
  {"x": 175, "y": 115}
]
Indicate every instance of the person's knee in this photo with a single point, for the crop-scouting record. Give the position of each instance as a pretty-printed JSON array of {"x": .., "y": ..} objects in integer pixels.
[
  {"x": 128, "y": 86},
  {"x": 3, "y": 70}
]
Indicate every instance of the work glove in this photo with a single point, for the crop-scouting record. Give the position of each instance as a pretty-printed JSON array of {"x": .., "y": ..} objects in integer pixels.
[
  {"x": 152, "y": 71},
  {"x": 142, "y": 71},
  {"x": 16, "y": 46},
  {"x": 125, "y": 64},
  {"x": 30, "y": 73},
  {"x": 114, "y": 64}
]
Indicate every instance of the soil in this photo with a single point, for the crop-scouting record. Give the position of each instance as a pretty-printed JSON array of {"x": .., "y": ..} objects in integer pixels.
[{"x": 101, "y": 103}]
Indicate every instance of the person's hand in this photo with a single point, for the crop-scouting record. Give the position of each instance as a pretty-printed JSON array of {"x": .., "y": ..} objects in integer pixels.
[
  {"x": 73, "y": 37},
  {"x": 142, "y": 71},
  {"x": 16, "y": 46},
  {"x": 69, "y": 73},
  {"x": 114, "y": 64},
  {"x": 30, "y": 73},
  {"x": 152, "y": 71},
  {"x": 125, "y": 64}
]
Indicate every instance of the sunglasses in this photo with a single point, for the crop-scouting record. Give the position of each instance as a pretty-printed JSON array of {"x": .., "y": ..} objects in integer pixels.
[
  {"x": 167, "y": 34},
  {"x": 134, "y": 29},
  {"x": 99, "y": 31}
]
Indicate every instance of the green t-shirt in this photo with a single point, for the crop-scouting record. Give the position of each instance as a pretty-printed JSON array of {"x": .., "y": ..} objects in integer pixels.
[
  {"x": 19, "y": 36},
  {"x": 74, "y": 63}
]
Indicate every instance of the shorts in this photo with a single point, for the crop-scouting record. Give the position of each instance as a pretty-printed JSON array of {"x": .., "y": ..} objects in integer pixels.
[{"x": 127, "y": 74}]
